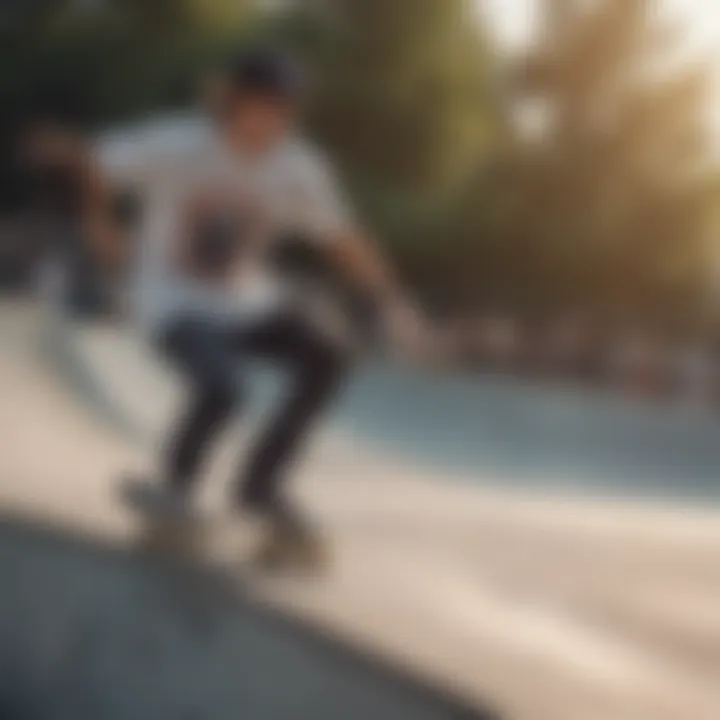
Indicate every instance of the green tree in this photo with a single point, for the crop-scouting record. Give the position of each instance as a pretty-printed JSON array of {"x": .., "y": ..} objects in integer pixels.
[{"x": 609, "y": 194}]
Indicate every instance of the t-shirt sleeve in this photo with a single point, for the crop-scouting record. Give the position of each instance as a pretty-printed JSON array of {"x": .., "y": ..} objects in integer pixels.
[
  {"x": 317, "y": 205},
  {"x": 147, "y": 155},
  {"x": 126, "y": 160}
]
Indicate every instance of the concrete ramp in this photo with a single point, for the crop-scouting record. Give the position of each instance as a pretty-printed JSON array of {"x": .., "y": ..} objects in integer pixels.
[
  {"x": 91, "y": 629},
  {"x": 548, "y": 607},
  {"x": 90, "y": 632}
]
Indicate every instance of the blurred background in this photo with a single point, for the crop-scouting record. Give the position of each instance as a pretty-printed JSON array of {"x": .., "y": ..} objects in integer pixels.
[{"x": 543, "y": 172}]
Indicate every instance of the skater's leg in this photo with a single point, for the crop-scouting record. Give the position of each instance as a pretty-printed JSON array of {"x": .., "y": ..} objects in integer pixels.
[
  {"x": 202, "y": 353},
  {"x": 318, "y": 367},
  {"x": 205, "y": 415}
]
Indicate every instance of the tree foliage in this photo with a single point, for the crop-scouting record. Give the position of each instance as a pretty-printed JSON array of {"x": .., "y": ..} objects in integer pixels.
[
  {"x": 607, "y": 197},
  {"x": 581, "y": 184}
]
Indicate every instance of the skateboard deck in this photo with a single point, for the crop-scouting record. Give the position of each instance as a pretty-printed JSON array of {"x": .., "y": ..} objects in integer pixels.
[{"x": 227, "y": 543}]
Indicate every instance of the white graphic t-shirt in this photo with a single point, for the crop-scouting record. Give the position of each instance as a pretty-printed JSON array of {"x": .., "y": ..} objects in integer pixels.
[{"x": 170, "y": 161}]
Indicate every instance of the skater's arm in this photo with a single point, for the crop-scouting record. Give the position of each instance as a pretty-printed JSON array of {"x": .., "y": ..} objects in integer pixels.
[
  {"x": 104, "y": 236},
  {"x": 323, "y": 214},
  {"x": 355, "y": 257},
  {"x": 75, "y": 157}
]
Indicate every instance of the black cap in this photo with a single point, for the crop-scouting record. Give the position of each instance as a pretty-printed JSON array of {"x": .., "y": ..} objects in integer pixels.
[{"x": 265, "y": 72}]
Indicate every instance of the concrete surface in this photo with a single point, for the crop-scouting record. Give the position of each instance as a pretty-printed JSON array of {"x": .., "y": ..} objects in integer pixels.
[
  {"x": 90, "y": 632},
  {"x": 545, "y": 607}
]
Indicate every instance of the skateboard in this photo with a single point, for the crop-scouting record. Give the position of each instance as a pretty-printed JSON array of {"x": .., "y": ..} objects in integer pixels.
[{"x": 229, "y": 542}]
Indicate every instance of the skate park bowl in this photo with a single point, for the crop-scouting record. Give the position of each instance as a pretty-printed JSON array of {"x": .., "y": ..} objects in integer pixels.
[{"x": 94, "y": 632}]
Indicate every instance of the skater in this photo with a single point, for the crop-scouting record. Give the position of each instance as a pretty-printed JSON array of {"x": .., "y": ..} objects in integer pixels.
[{"x": 219, "y": 194}]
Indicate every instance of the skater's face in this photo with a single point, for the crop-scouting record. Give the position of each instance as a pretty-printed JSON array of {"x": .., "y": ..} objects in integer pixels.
[{"x": 256, "y": 124}]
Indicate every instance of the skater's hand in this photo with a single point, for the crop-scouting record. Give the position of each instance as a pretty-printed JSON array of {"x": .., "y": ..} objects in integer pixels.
[{"x": 408, "y": 332}]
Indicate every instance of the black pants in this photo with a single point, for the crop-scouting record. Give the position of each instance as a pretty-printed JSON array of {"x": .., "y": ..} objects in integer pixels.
[{"x": 207, "y": 354}]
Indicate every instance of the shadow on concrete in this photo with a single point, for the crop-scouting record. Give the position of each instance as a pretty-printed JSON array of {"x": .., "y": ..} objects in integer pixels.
[{"x": 89, "y": 630}]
